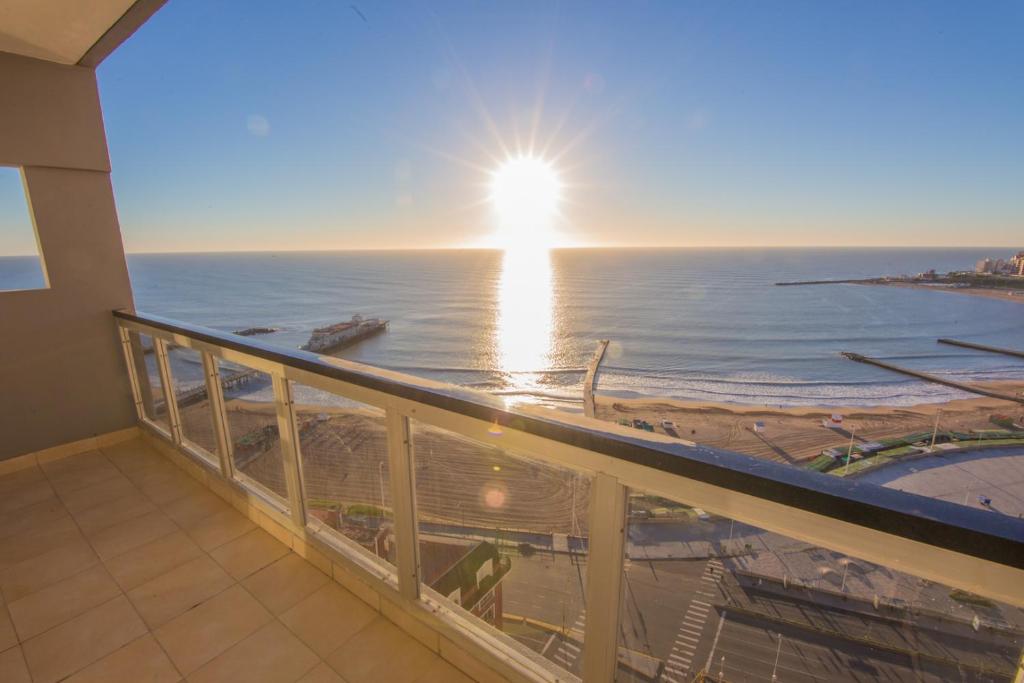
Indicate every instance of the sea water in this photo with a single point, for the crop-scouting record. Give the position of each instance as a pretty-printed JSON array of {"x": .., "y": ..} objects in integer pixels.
[{"x": 700, "y": 324}]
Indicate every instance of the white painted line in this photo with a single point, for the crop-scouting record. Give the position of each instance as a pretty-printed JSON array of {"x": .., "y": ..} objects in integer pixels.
[
  {"x": 547, "y": 645},
  {"x": 572, "y": 645},
  {"x": 684, "y": 660},
  {"x": 714, "y": 643},
  {"x": 691, "y": 630},
  {"x": 693, "y": 622},
  {"x": 701, "y": 602},
  {"x": 697, "y": 608},
  {"x": 690, "y": 638}
]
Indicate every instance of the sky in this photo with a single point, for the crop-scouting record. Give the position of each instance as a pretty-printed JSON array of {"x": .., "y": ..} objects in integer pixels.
[{"x": 330, "y": 125}]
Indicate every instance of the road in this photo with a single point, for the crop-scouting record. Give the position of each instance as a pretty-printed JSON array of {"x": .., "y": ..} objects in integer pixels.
[{"x": 674, "y": 611}]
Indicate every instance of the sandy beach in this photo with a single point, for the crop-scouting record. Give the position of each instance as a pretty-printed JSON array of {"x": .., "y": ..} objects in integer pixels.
[
  {"x": 796, "y": 434},
  {"x": 1000, "y": 294}
]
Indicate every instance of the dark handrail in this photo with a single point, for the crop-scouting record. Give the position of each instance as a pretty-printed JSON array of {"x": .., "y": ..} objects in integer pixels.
[{"x": 977, "y": 533}]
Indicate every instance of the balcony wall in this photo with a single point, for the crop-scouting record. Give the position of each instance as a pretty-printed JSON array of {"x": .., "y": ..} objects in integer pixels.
[{"x": 60, "y": 362}]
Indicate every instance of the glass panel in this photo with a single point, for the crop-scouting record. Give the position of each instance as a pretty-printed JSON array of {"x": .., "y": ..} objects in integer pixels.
[
  {"x": 343, "y": 445},
  {"x": 706, "y": 594},
  {"x": 194, "y": 407},
  {"x": 503, "y": 536},
  {"x": 20, "y": 264},
  {"x": 252, "y": 426},
  {"x": 150, "y": 383}
]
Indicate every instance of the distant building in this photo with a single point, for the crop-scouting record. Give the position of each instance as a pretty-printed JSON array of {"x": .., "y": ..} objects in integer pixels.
[
  {"x": 1018, "y": 263},
  {"x": 983, "y": 266}
]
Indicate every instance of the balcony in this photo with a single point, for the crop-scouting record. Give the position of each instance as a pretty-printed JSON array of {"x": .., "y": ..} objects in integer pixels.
[
  {"x": 119, "y": 566},
  {"x": 468, "y": 540}
]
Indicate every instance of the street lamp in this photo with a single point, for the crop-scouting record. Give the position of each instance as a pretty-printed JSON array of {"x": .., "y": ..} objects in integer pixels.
[
  {"x": 849, "y": 451},
  {"x": 846, "y": 567},
  {"x": 775, "y": 666},
  {"x": 935, "y": 430}
]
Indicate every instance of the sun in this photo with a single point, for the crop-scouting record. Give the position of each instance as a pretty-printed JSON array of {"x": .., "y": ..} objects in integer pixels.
[{"x": 525, "y": 193}]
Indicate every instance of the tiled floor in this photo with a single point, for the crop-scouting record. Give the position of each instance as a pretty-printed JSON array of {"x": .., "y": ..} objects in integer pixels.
[{"x": 117, "y": 566}]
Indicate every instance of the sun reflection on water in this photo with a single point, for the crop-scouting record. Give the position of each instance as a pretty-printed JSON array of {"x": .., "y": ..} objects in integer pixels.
[{"x": 525, "y": 318}]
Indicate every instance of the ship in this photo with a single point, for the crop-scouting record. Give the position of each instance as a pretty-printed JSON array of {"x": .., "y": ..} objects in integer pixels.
[{"x": 340, "y": 335}]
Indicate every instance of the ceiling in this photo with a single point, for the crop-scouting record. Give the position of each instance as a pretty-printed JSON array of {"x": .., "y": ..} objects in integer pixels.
[{"x": 57, "y": 30}]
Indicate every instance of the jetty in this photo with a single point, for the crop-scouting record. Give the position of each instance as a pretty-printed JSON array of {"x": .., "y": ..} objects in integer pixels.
[
  {"x": 983, "y": 347},
  {"x": 590, "y": 382},
  {"x": 199, "y": 393},
  {"x": 252, "y": 331},
  {"x": 861, "y": 281},
  {"x": 932, "y": 378}
]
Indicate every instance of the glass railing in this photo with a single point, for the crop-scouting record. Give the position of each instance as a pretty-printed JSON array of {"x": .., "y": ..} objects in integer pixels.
[{"x": 573, "y": 548}]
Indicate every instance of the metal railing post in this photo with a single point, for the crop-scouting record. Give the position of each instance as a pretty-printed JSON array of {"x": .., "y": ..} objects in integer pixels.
[
  {"x": 167, "y": 379},
  {"x": 403, "y": 503},
  {"x": 133, "y": 376},
  {"x": 290, "y": 455},
  {"x": 606, "y": 552},
  {"x": 218, "y": 414}
]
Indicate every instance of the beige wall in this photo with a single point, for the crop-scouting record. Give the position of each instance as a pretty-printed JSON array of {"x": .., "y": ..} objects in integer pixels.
[{"x": 61, "y": 371}]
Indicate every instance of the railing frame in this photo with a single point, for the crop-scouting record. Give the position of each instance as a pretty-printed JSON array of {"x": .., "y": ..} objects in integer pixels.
[{"x": 714, "y": 480}]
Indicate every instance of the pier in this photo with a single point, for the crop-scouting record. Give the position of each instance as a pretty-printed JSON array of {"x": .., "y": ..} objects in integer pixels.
[
  {"x": 590, "y": 383},
  {"x": 198, "y": 393},
  {"x": 862, "y": 281},
  {"x": 983, "y": 347},
  {"x": 932, "y": 378}
]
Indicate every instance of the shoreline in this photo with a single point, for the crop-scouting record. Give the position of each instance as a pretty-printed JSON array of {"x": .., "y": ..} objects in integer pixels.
[
  {"x": 1014, "y": 296},
  {"x": 796, "y": 434}
]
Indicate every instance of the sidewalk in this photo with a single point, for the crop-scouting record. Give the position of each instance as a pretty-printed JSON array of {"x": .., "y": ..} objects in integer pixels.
[{"x": 922, "y": 635}]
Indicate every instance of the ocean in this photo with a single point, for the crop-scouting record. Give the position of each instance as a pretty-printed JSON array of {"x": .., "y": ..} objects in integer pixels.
[{"x": 699, "y": 324}]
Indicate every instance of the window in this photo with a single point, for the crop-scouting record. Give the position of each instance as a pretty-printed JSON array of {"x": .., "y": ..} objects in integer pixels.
[{"x": 21, "y": 263}]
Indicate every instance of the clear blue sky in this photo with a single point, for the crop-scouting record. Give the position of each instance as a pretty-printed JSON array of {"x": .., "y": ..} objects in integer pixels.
[{"x": 283, "y": 125}]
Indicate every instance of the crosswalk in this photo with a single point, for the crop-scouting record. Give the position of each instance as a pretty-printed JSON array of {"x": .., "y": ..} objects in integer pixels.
[
  {"x": 568, "y": 650},
  {"x": 680, "y": 661}
]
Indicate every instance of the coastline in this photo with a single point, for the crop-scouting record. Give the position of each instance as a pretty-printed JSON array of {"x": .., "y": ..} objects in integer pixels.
[
  {"x": 796, "y": 434},
  {"x": 1016, "y": 297}
]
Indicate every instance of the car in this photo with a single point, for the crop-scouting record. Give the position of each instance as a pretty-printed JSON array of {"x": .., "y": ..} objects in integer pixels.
[{"x": 668, "y": 424}]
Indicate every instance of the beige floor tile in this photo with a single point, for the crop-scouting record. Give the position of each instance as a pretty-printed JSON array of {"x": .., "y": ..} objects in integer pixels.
[
  {"x": 191, "y": 510},
  {"x": 321, "y": 673},
  {"x": 270, "y": 655},
  {"x": 97, "y": 494},
  {"x": 21, "y": 497},
  {"x": 8, "y": 636},
  {"x": 285, "y": 583},
  {"x": 170, "y": 486},
  {"x": 441, "y": 671},
  {"x": 145, "y": 563},
  {"x": 75, "y": 464},
  {"x": 140, "y": 661},
  {"x": 75, "y": 644},
  {"x": 197, "y": 636},
  {"x": 379, "y": 652},
  {"x": 13, "y": 668},
  {"x": 182, "y": 588},
  {"x": 64, "y": 600},
  {"x": 79, "y": 472},
  {"x": 121, "y": 538},
  {"x": 29, "y": 544},
  {"x": 97, "y": 518},
  {"x": 38, "y": 572},
  {"x": 37, "y": 517},
  {"x": 327, "y": 618},
  {"x": 132, "y": 456},
  {"x": 249, "y": 553},
  {"x": 222, "y": 527},
  {"x": 16, "y": 480}
]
